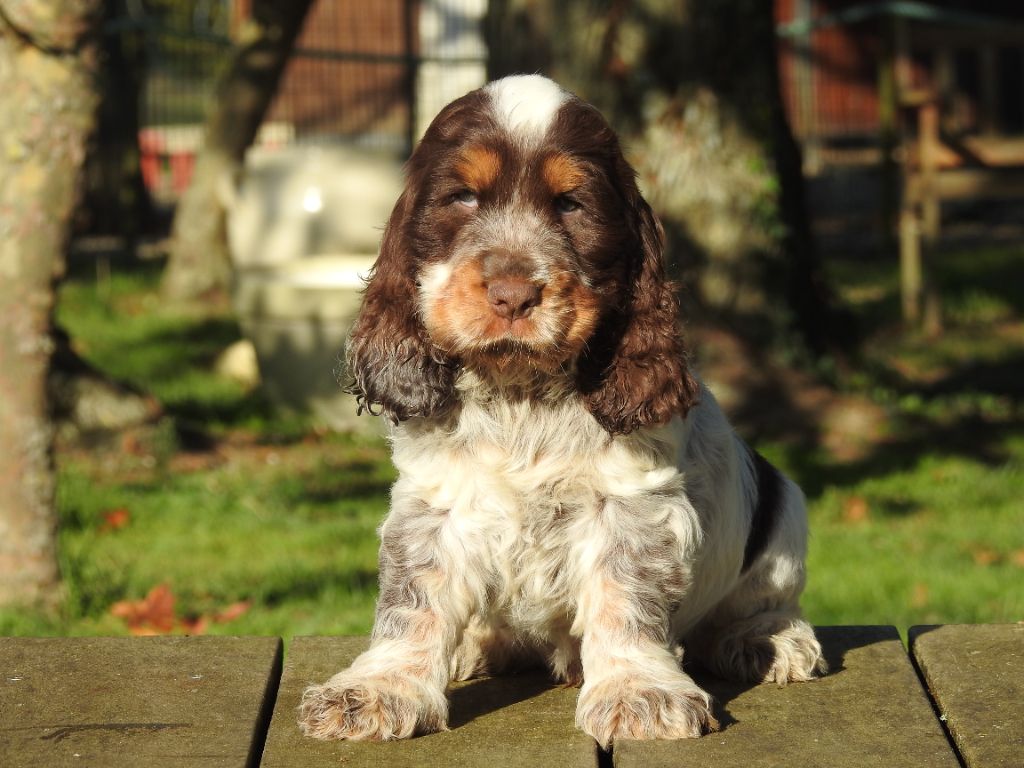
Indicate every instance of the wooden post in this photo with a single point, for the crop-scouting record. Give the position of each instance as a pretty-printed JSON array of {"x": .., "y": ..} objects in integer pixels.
[
  {"x": 928, "y": 160},
  {"x": 910, "y": 267},
  {"x": 928, "y": 147}
]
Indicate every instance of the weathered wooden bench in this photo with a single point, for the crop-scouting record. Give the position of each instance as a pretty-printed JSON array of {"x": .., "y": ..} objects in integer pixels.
[{"x": 956, "y": 699}]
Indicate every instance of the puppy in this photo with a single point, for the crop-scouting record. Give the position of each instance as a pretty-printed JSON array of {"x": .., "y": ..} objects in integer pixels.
[{"x": 568, "y": 491}]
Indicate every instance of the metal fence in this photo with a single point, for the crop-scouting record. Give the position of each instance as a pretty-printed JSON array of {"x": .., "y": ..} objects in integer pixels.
[
  {"x": 363, "y": 73},
  {"x": 371, "y": 74}
]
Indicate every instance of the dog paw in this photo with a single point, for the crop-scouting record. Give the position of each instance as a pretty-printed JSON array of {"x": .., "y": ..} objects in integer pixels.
[
  {"x": 371, "y": 709},
  {"x": 784, "y": 654},
  {"x": 798, "y": 656},
  {"x": 625, "y": 707}
]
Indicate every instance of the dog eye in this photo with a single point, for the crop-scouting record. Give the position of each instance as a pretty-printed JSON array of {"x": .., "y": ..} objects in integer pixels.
[
  {"x": 466, "y": 197},
  {"x": 565, "y": 204}
]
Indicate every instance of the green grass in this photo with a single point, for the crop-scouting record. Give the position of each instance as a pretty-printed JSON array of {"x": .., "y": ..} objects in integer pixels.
[
  {"x": 938, "y": 540},
  {"x": 231, "y": 533},
  {"x": 121, "y": 325},
  {"x": 264, "y": 509},
  {"x": 926, "y": 525}
]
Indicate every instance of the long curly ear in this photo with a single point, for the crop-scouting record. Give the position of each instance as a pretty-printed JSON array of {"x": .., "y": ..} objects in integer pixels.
[
  {"x": 396, "y": 369},
  {"x": 635, "y": 372}
]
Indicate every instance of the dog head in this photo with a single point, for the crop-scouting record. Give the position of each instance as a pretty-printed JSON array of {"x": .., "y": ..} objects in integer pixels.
[{"x": 521, "y": 248}]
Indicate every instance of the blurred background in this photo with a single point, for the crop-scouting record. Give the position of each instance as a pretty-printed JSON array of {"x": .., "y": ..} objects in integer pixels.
[{"x": 191, "y": 193}]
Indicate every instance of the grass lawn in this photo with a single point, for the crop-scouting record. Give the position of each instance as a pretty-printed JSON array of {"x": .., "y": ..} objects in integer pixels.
[{"x": 260, "y": 524}]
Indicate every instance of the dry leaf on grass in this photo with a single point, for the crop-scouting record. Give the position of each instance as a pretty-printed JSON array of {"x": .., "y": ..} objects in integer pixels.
[
  {"x": 115, "y": 519},
  {"x": 985, "y": 556},
  {"x": 155, "y": 614},
  {"x": 152, "y": 615},
  {"x": 856, "y": 509}
]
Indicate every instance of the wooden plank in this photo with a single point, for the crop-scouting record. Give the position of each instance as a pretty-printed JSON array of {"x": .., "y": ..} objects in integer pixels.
[
  {"x": 998, "y": 183},
  {"x": 975, "y": 674},
  {"x": 870, "y": 710},
  {"x": 181, "y": 701},
  {"x": 520, "y": 720}
]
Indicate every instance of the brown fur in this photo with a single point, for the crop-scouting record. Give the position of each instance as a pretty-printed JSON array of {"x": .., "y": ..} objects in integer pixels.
[
  {"x": 616, "y": 310},
  {"x": 562, "y": 174},
  {"x": 479, "y": 167},
  {"x": 636, "y": 372},
  {"x": 395, "y": 365}
]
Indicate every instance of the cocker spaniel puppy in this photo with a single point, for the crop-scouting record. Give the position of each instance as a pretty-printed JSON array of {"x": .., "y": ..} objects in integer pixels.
[{"x": 568, "y": 491}]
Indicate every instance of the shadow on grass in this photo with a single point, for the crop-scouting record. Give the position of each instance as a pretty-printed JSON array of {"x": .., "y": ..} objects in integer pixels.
[
  {"x": 998, "y": 272},
  {"x": 168, "y": 353},
  {"x": 971, "y": 411},
  {"x": 311, "y": 585},
  {"x": 970, "y": 437},
  {"x": 1002, "y": 378},
  {"x": 356, "y": 479}
]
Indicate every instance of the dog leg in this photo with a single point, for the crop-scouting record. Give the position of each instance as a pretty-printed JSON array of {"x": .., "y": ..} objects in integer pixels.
[
  {"x": 757, "y": 634},
  {"x": 490, "y": 647},
  {"x": 775, "y": 646},
  {"x": 397, "y": 688},
  {"x": 633, "y": 686}
]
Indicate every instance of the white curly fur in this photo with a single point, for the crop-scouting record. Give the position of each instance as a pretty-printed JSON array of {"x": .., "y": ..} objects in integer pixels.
[{"x": 525, "y": 532}]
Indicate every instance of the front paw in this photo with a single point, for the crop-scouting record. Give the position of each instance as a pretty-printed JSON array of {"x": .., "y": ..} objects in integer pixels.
[
  {"x": 628, "y": 707},
  {"x": 779, "y": 651},
  {"x": 371, "y": 709}
]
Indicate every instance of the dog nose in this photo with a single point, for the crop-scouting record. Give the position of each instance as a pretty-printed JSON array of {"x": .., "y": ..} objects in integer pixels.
[{"x": 512, "y": 297}]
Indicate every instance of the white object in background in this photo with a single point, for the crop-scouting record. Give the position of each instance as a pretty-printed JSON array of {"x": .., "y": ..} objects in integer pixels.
[
  {"x": 299, "y": 201},
  {"x": 455, "y": 55}
]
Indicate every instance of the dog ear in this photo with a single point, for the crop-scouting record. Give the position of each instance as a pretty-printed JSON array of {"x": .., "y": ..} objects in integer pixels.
[
  {"x": 395, "y": 368},
  {"x": 635, "y": 374}
]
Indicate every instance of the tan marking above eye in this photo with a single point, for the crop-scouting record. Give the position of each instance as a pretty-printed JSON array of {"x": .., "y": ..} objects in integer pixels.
[
  {"x": 562, "y": 174},
  {"x": 478, "y": 167}
]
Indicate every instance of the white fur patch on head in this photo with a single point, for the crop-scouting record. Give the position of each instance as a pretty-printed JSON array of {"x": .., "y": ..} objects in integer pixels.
[{"x": 527, "y": 104}]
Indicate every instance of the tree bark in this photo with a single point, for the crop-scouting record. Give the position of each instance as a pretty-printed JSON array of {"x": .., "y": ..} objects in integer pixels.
[
  {"x": 116, "y": 200},
  {"x": 692, "y": 86},
  {"x": 47, "y": 63},
  {"x": 199, "y": 262}
]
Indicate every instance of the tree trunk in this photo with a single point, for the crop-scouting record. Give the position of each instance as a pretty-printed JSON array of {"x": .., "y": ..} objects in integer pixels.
[
  {"x": 692, "y": 86},
  {"x": 199, "y": 262},
  {"x": 116, "y": 200},
  {"x": 47, "y": 63}
]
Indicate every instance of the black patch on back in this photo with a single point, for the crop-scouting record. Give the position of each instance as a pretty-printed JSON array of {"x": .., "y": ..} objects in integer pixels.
[{"x": 766, "y": 508}]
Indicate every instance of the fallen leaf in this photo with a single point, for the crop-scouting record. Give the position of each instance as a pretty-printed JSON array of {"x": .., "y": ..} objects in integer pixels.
[
  {"x": 115, "y": 519},
  {"x": 233, "y": 611},
  {"x": 856, "y": 509},
  {"x": 984, "y": 556},
  {"x": 1018, "y": 558},
  {"x": 153, "y": 615},
  {"x": 130, "y": 443},
  {"x": 194, "y": 625}
]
